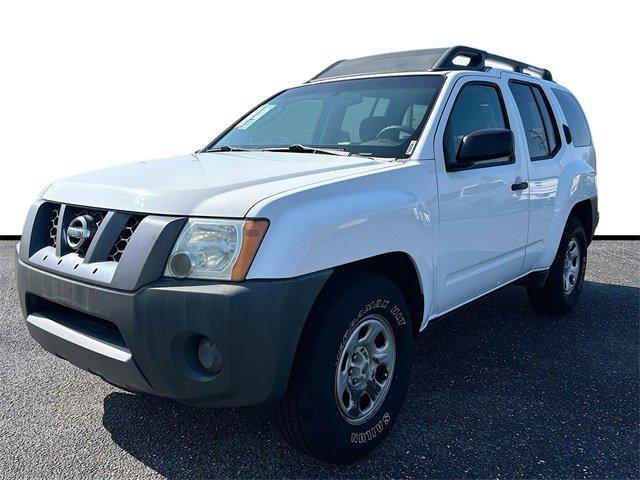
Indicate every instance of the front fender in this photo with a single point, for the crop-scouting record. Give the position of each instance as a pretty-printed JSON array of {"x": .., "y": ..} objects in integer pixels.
[{"x": 350, "y": 220}]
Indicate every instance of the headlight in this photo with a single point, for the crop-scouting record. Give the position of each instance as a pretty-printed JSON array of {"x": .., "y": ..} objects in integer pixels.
[{"x": 216, "y": 249}]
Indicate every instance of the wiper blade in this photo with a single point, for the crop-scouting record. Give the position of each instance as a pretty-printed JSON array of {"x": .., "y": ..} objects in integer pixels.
[
  {"x": 297, "y": 148},
  {"x": 228, "y": 148}
]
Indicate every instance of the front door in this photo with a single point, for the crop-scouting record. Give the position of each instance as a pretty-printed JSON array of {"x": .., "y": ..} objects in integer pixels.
[{"x": 484, "y": 209}]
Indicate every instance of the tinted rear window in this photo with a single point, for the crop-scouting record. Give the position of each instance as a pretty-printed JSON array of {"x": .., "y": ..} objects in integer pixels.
[
  {"x": 532, "y": 121},
  {"x": 580, "y": 134}
]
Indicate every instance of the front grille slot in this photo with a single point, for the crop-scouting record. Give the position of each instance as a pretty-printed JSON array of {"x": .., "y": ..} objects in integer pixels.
[
  {"x": 53, "y": 225},
  {"x": 89, "y": 325},
  {"x": 123, "y": 239}
]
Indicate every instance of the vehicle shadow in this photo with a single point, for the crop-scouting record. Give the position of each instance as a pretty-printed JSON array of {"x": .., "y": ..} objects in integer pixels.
[{"x": 497, "y": 390}]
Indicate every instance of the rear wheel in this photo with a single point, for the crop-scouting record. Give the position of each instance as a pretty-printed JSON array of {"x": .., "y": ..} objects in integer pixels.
[
  {"x": 563, "y": 285},
  {"x": 351, "y": 371}
]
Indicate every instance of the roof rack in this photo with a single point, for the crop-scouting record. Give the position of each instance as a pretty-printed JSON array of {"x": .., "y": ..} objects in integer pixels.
[{"x": 431, "y": 60}]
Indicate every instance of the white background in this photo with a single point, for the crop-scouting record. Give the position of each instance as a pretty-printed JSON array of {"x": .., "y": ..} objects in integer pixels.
[{"x": 85, "y": 85}]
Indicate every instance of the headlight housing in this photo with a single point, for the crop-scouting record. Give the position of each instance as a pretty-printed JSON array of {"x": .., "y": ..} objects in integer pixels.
[{"x": 216, "y": 249}]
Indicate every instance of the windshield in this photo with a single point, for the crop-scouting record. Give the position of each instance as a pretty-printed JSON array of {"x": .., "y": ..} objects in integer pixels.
[{"x": 374, "y": 116}]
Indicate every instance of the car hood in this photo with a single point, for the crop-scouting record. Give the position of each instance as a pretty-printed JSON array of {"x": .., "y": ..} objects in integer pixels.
[{"x": 225, "y": 184}]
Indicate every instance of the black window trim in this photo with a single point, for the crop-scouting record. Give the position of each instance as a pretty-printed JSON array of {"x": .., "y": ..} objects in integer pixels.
[
  {"x": 505, "y": 113},
  {"x": 554, "y": 120}
]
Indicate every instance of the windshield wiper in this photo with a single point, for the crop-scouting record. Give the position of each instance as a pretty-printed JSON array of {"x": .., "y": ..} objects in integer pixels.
[
  {"x": 228, "y": 148},
  {"x": 297, "y": 148}
]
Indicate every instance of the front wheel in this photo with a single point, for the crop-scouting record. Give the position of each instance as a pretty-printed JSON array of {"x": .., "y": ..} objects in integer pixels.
[
  {"x": 563, "y": 285},
  {"x": 351, "y": 371}
]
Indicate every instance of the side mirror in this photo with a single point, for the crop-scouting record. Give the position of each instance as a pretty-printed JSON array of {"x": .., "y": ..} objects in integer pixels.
[{"x": 482, "y": 145}]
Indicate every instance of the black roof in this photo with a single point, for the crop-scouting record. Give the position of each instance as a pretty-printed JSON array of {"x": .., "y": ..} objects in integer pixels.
[{"x": 431, "y": 60}]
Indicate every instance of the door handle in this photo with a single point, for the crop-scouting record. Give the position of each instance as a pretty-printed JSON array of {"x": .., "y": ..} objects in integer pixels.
[{"x": 520, "y": 186}]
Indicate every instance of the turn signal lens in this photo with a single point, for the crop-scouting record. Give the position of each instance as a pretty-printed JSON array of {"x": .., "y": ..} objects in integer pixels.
[{"x": 252, "y": 234}]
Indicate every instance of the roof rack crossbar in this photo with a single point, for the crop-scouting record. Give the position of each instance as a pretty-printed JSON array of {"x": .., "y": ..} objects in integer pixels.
[{"x": 477, "y": 61}]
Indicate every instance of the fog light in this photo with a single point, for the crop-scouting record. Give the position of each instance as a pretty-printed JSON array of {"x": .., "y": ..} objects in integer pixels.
[
  {"x": 209, "y": 355},
  {"x": 182, "y": 264}
]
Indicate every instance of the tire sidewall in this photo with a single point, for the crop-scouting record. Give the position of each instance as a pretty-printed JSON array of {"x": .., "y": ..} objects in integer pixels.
[
  {"x": 574, "y": 230},
  {"x": 349, "y": 441}
]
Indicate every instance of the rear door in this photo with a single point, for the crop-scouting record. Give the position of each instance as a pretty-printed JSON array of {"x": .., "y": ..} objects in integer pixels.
[
  {"x": 483, "y": 220},
  {"x": 546, "y": 157}
]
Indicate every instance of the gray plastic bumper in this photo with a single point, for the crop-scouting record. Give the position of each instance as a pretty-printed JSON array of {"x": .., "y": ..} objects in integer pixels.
[{"x": 147, "y": 340}]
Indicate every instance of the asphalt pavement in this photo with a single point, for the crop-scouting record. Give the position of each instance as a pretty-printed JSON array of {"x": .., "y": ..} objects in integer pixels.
[{"x": 497, "y": 390}]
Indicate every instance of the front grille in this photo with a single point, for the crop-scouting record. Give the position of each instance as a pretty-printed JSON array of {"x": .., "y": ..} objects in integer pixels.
[
  {"x": 47, "y": 236},
  {"x": 53, "y": 226},
  {"x": 125, "y": 235},
  {"x": 126, "y": 251}
]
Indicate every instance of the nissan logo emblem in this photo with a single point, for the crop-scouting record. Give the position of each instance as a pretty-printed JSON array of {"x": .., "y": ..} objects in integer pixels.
[{"x": 79, "y": 231}]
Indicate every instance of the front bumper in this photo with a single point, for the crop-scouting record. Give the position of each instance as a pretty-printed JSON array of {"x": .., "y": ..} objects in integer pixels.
[{"x": 147, "y": 340}]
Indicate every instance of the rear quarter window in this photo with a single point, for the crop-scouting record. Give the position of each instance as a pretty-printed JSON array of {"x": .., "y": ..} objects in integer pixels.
[{"x": 577, "y": 122}]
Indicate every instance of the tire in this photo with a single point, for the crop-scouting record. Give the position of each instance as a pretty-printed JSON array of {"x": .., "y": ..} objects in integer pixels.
[
  {"x": 553, "y": 297},
  {"x": 310, "y": 416}
]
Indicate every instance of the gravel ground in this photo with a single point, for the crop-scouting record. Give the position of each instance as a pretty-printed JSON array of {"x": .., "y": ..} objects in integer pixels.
[{"x": 497, "y": 391}]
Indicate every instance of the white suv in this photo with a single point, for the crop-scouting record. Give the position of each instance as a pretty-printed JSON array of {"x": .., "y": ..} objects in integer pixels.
[{"x": 294, "y": 259}]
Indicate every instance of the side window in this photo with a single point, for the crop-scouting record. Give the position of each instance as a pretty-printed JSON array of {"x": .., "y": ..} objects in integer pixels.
[
  {"x": 580, "y": 134},
  {"x": 537, "y": 119},
  {"x": 478, "y": 106},
  {"x": 550, "y": 124}
]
